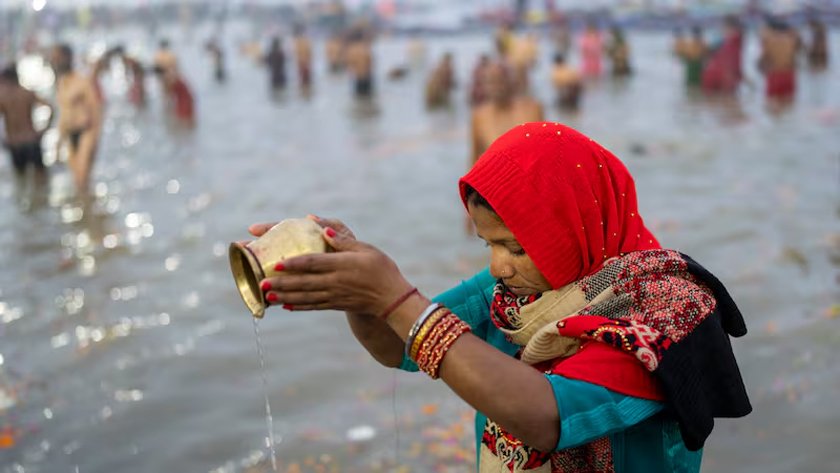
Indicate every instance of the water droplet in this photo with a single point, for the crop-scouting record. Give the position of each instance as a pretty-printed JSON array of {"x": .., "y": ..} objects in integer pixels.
[
  {"x": 110, "y": 241},
  {"x": 128, "y": 395},
  {"x": 1, "y": 359},
  {"x": 147, "y": 230},
  {"x": 48, "y": 413},
  {"x": 171, "y": 263},
  {"x": 60, "y": 340},
  {"x": 191, "y": 300},
  {"x": 87, "y": 266},
  {"x": 173, "y": 186},
  {"x": 135, "y": 219},
  {"x": 361, "y": 433}
]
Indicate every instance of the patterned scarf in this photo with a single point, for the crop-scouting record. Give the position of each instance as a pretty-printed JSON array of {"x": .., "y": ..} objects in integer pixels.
[
  {"x": 506, "y": 305},
  {"x": 640, "y": 303}
]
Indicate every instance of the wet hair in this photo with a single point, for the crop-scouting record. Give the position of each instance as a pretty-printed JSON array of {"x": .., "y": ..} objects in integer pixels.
[
  {"x": 559, "y": 58},
  {"x": 356, "y": 35},
  {"x": 473, "y": 197},
  {"x": 66, "y": 52},
  {"x": 697, "y": 31},
  {"x": 732, "y": 21},
  {"x": 776, "y": 23},
  {"x": 10, "y": 74},
  {"x": 164, "y": 43}
]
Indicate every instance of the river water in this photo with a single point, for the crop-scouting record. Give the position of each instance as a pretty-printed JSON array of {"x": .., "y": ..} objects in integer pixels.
[{"x": 124, "y": 346}]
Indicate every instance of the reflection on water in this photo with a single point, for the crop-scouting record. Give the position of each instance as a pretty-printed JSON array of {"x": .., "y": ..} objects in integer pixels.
[{"x": 124, "y": 345}]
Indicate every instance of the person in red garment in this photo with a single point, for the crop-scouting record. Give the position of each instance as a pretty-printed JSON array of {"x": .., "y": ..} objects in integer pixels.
[
  {"x": 585, "y": 347},
  {"x": 722, "y": 73},
  {"x": 780, "y": 45}
]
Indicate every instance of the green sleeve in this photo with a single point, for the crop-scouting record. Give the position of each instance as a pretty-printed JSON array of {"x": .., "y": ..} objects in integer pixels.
[
  {"x": 589, "y": 412},
  {"x": 470, "y": 301}
]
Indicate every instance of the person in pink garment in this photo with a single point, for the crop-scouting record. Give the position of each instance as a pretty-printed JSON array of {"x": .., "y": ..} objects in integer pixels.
[
  {"x": 722, "y": 73},
  {"x": 591, "y": 46}
]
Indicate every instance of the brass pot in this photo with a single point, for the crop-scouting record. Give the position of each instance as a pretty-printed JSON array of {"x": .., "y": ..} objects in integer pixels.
[{"x": 252, "y": 262}]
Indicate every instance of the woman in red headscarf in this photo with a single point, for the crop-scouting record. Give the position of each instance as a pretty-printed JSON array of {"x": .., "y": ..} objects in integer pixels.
[{"x": 584, "y": 347}]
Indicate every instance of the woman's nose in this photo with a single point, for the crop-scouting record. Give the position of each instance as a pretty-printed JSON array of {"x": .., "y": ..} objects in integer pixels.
[{"x": 500, "y": 268}]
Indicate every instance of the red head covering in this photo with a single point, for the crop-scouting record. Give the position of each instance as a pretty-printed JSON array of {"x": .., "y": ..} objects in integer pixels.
[{"x": 569, "y": 202}]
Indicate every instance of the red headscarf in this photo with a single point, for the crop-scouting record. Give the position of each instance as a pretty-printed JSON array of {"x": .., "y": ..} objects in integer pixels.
[{"x": 569, "y": 202}]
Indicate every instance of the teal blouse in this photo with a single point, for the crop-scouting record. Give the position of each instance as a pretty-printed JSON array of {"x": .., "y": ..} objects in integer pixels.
[{"x": 643, "y": 438}]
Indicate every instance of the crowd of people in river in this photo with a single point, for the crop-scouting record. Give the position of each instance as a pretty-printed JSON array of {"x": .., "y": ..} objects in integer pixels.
[{"x": 499, "y": 90}]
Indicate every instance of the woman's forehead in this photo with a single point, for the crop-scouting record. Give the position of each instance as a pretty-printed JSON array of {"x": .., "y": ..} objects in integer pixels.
[{"x": 488, "y": 224}]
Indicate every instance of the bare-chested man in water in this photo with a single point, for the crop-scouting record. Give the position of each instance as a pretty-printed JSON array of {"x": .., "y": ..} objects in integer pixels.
[
  {"x": 360, "y": 64},
  {"x": 567, "y": 82},
  {"x": 80, "y": 118},
  {"x": 303, "y": 57},
  {"x": 779, "y": 46},
  {"x": 22, "y": 139},
  {"x": 501, "y": 112},
  {"x": 166, "y": 63}
]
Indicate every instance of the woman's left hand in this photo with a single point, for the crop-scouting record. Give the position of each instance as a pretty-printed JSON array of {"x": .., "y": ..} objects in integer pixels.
[{"x": 357, "y": 277}]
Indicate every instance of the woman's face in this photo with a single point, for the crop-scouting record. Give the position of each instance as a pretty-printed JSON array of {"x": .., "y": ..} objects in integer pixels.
[{"x": 508, "y": 261}]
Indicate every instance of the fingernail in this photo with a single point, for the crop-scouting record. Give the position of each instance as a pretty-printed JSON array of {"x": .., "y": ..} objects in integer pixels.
[
  {"x": 271, "y": 297},
  {"x": 330, "y": 232},
  {"x": 265, "y": 285},
  {"x": 288, "y": 307},
  {"x": 279, "y": 267}
]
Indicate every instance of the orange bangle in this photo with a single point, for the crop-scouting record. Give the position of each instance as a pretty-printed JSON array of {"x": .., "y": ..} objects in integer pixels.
[
  {"x": 436, "y": 360},
  {"x": 433, "y": 352},
  {"x": 427, "y": 348},
  {"x": 431, "y": 340}
]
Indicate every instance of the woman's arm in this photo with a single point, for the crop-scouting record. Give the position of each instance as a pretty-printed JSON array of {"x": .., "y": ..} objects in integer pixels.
[
  {"x": 359, "y": 278},
  {"x": 379, "y": 340}
]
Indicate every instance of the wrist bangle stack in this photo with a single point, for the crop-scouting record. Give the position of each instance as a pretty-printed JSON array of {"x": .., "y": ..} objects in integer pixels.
[
  {"x": 432, "y": 335},
  {"x": 412, "y": 334}
]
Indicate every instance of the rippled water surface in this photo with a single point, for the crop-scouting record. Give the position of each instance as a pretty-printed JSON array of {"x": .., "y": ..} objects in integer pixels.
[{"x": 124, "y": 346}]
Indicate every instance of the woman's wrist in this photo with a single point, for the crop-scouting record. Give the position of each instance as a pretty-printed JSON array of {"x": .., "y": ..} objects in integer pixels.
[{"x": 404, "y": 316}]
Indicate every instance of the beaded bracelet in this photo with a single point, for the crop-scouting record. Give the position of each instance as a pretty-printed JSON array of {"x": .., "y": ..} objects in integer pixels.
[
  {"x": 440, "y": 340},
  {"x": 418, "y": 324},
  {"x": 443, "y": 346},
  {"x": 444, "y": 324}
]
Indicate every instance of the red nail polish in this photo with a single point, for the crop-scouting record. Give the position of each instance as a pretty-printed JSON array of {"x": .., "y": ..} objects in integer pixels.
[
  {"x": 330, "y": 232},
  {"x": 288, "y": 307},
  {"x": 279, "y": 267},
  {"x": 265, "y": 285},
  {"x": 271, "y": 297}
]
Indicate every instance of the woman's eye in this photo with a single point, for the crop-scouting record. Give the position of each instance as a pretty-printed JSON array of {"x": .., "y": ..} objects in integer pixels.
[{"x": 518, "y": 252}]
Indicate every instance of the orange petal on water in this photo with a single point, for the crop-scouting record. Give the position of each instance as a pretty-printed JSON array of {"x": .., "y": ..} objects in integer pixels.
[
  {"x": 429, "y": 409},
  {"x": 7, "y": 438}
]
